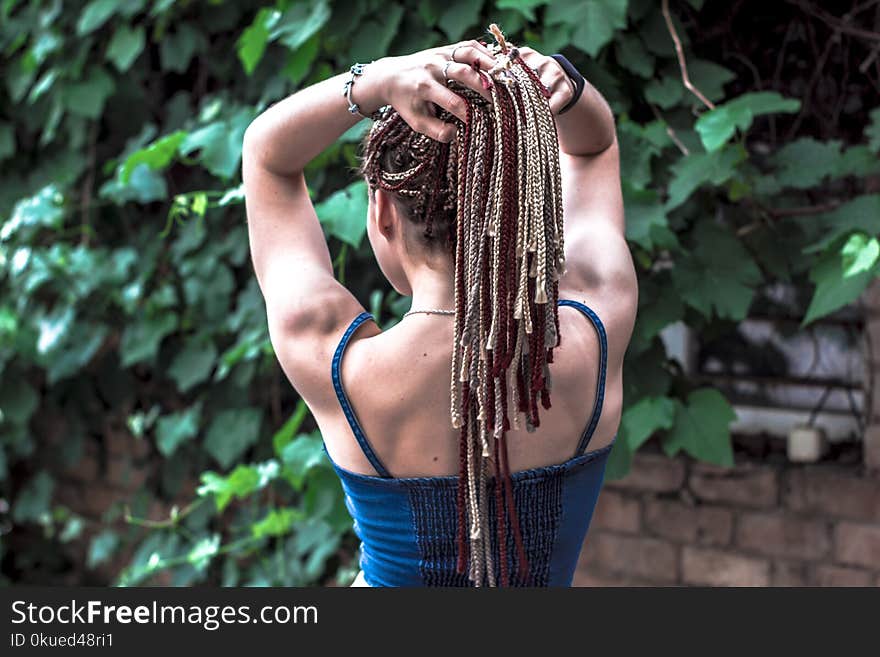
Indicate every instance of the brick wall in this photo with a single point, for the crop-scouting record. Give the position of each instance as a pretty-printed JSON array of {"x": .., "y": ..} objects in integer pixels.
[{"x": 677, "y": 522}]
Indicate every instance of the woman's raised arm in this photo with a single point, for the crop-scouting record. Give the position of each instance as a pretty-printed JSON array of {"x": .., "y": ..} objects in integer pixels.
[{"x": 305, "y": 304}]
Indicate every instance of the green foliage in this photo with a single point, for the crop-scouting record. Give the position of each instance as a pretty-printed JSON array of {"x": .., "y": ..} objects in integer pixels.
[
  {"x": 717, "y": 126},
  {"x": 127, "y": 297}
]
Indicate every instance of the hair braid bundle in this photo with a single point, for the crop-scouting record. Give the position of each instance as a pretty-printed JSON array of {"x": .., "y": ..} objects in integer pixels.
[
  {"x": 493, "y": 199},
  {"x": 508, "y": 259}
]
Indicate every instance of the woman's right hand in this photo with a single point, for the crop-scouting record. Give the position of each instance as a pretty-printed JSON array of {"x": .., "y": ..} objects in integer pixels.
[
  {"x": 411, "y": 84},
  {"x": 552, "y": 76}
]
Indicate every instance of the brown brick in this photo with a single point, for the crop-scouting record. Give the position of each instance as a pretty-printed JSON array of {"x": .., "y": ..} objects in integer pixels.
[
  {"x": 87, "y": 469},
  {"x": 652, "y": 472},
  {"x": 825, "y": 575},
  {"x": 857, "y": 544},
  {"x": 125, "y": 473},
  {"x": 631, "y": 556},
  {"x": 871, "y": 446},
  {"x": 617, "y": 512},
  {"x": 586, "y": 578},
  {"x": 789, "y": 573},
  {"x": 828, "y": 491},
  {"x": 745, "y": 484},
  {"x": 676, "y": 521},
  {"x": 120, "y": 443},
  {"x": 871, "y": 296},
  {"x": 781, "y": 535},
  {"x": 709, "y": 567},
  {"x": 91, "y": 500}
]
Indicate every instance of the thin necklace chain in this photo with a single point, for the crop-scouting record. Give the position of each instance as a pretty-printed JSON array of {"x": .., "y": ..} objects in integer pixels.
[{"x": 437, "y": 311}]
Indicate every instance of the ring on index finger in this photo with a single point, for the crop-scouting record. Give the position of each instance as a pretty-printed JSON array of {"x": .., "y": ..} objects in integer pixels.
[
  {"x": 452, "y": 56},
  {"x": 446, "y": 69}
]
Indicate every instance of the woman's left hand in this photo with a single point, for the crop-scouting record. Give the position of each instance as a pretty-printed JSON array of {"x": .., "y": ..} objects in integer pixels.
[{"x": 413, "y": 84}]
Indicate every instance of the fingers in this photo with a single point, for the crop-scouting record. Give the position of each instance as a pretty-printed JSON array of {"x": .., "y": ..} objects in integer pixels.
[
  {"x": 468, "y": 52},
  {"x": 422, "y": 119},
  {"x": 552, "y": 76},
  {"x": 470, "y": 78},
  {"x": 447, "y": 99}
]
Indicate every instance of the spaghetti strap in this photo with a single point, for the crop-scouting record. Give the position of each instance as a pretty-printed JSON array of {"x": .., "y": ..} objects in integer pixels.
[
  {"x": 359, "y": 434},
  {"x": 603, "y": 364}
]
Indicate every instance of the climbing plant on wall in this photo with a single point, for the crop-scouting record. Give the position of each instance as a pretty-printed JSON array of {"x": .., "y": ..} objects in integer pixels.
[{"x": 128, "y": 303}]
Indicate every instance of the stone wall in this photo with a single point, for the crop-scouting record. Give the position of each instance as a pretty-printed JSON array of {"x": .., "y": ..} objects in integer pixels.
[{"x": 676, "y": 522}]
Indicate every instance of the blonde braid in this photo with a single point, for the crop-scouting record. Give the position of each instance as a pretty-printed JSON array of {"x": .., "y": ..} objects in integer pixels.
[{"x": 506, "y": 163}]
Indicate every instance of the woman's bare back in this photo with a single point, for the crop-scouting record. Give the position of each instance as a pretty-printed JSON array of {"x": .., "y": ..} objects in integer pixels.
[{"x": 398, "y": 382}]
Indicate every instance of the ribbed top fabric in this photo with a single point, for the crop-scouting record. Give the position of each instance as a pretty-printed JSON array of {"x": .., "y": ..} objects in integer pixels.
[{"x": 407, "y": 525}]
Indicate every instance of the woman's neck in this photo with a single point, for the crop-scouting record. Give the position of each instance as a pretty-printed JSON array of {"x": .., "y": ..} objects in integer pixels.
[{"x": 432, "y": 287}]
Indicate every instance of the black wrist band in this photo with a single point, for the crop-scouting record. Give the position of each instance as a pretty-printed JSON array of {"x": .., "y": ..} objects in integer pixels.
[{"x": 575, "y": 76}]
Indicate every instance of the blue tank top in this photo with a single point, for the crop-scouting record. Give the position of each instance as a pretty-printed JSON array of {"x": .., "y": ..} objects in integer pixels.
[{"x": 407, "y": 525}]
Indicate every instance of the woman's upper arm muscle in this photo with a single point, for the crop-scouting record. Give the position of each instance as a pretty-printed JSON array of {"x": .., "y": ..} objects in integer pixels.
[
  {"x": 307, "y": 308},
  {"x": 595, "y": 242},
  {"x": 598, "y": 260}
]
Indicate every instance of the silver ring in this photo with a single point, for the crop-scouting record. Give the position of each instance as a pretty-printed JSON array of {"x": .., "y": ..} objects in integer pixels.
[
  {"x": 446, "y": 68},
  {"x": 452, "y": 56}
]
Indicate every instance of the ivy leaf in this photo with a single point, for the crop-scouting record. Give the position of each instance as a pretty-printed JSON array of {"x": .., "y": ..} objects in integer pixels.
[
  {"x": 203, "y": 551},
  {"x": 18, "y": 401},
  {"x": 299, "y": 61},
  {"x": 660, "y": 305},
  {"x": 140, "y": 339},
  {"x": 157, "y": 155},
  {"x": 34, "y": 499},
  {"x": 231, "y": 433},
  {"x": 666, "y": 92},
  {"x": 717, "y": 126},
  {"x": 300, "y": 23},
  {"x": 79, "y": 345},
  {"x": 692, "y": 171},
  {"x": 372, "y": 39},
  {"x": 277, "y": 522},
  {"x": 860, "y": 254},
  {"x": 860, "y": 214},
  {"x": 834, "y": 288},
  {"x": 102, "y": 547},
  {"x": 641, "y": 420},
  {"x": 42, "y": 209},
  {"x": 96, "y": 14},
  {"x": 193, "y": 364},
  {"x": 525, "y": 7},
  {"x": 87, "y": 97},
  {"x": 458, "y": 17},
  {"x": 144, "y": 185},
  {"x": 594, "y": 21},
  {"x": 708, "y": 77},
  {"x": 646, "y": 223},
  {"x": 300, "y": 455},
  {"x": 619, "y": 461},
  {"x": 718, "y": 274},
  {"x": 176, "y": 428},
  {"x": 701, "y": 427},
  {"x": 639, "y": 144},
  {"x": 288, "y": 430},
  {"x": 125, "y": 46},
  {"x": 252, "y": 42},
  {"x": 177, "y": 48},
  {"x": 805, "y": 162},
  {"x": 632, "y": 55},
  {"x": 858, "y": 161},
  {"x": 219, "y": 143},
  {"x": 344, "y": 213},
  {"x": 241, "y": 482}
]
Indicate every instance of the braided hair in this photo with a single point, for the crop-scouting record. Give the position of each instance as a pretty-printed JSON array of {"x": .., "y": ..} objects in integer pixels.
[{"x": 492, "y": 199}]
